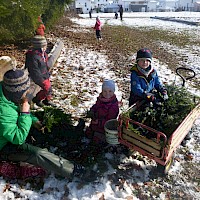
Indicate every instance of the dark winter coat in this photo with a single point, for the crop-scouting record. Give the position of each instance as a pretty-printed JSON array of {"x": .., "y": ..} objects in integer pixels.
[
  {"x": 37, "y": 66},
  {"x": 121, "y": 10}
]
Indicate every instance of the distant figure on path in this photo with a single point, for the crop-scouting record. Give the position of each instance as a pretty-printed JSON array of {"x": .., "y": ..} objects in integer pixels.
[
  {"x": 116, "y": 15},
  {"x": 97, "y": 27},
  {"x": 90, "y": 14},
  {"x": 121, "y": 11}
]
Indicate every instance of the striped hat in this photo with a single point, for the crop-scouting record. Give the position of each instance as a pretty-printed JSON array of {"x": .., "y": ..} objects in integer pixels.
[
  {"x": 15, "y": 84},
  {"x": 38, "y": 41}
]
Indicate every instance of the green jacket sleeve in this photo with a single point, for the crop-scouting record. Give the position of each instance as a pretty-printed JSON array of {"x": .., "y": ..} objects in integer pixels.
[
  {"x": 34, "y": 119},
  {"x": 15, "y": 127}
]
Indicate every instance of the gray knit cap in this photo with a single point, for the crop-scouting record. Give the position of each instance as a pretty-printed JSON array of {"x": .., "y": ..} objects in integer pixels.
[
  {"x": 15, "y": 84},
  {"x": 109, "y": 84},
  {"x": 38, "y": 41}
]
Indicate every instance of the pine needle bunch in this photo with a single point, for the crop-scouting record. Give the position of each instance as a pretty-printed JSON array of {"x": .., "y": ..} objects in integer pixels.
[
  {"x": 53, "y": 116},
  {"x": 168, "y": 115}
]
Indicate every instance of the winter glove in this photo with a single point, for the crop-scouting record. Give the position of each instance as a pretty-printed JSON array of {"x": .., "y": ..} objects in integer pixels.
[
  {"x": 95, "y": 122},
  {"x": 90, "y": 114},
  {"x": 164, "y": 95},
  {"x": 150, "y": 97},
  {"x": 38, "y": 125},
  {"x": 46, "y": 84}
]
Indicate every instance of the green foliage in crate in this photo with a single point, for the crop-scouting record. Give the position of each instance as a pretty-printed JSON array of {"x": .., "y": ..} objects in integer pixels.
[
  {"x": 169, "y": 114},
  {"x": 134, "y": 129}
]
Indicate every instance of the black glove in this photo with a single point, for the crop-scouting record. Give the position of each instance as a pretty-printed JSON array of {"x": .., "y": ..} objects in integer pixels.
[
  {"x": 150, "y": 97},
  {"x": 90, "y": 114}
]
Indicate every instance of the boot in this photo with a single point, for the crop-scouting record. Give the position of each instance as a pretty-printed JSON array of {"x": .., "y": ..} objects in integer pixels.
[
  {"x": 86, "y": 175},
  {"x": 48, "y": 103},
  {"x": 81, "y": 125},
  {"x": 38, "y": 102},
  {"x": 79, "y": 170}
]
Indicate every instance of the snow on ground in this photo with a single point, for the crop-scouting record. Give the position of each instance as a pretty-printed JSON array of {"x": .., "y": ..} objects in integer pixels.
[
  {"x": 83, "y": 70},
  {"x": 94, "y": 68},
  {"x": 140, "y": 19}
]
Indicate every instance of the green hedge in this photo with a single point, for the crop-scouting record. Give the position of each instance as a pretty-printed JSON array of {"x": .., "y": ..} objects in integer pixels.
[{"x": 19, "y": 18}]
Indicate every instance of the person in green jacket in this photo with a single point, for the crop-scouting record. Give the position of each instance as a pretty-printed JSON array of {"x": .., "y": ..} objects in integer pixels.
[{"x": 15, "y": 124}]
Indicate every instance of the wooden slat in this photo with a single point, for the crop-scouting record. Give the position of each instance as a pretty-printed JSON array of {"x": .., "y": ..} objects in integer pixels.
[
  {"x": 183, "y": 129},
  {"x": 55, "y": 53},
  {"x": 141, "y": 138},
  {"x": 141, "y": 145}
]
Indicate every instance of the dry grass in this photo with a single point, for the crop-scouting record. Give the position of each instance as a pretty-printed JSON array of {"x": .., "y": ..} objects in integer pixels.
[{"x": 120, "y": 42}]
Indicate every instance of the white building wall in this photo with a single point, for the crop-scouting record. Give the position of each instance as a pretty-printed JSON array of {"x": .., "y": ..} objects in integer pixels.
[
  {"x": 85, "y": 5},
  {"x": 186, "y": 5},
  {"x": 197, "y": 6},
  {"x": 95, "y": 5},
  {"x": 167, "y": 5},
  {"x": 101, "y": 4},
  {"x": 153, "y": 5}
]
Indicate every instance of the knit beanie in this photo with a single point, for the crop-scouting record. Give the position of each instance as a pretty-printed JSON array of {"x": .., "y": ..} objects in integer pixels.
[
  {"x": 144, "y": 53},
  {"x": 109, "y": 84},
  {"x": 15, "y": 84},
  {"x": 39, "y": 41}
]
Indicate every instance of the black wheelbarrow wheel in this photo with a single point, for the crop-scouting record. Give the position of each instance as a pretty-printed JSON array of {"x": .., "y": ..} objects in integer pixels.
[{"x": 165, "y": 168}]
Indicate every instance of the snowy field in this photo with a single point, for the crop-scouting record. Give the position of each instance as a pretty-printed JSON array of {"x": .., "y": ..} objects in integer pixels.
[{"x": 70, "y": 60}]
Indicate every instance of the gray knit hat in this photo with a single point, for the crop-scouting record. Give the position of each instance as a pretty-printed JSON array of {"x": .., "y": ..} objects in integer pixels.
[
  {"x": 38, "y": 41},
  {"x": 109, "y": 84},
  {"x": 15, "y": 84}
]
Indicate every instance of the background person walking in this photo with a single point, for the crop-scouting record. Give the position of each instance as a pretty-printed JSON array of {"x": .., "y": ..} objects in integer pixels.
[
  {"x": 116, "y": 15},
  {"x": 121, "y": 10},
  {"x": 90, "y": 14},
  {"x": 97, "y": 27}
]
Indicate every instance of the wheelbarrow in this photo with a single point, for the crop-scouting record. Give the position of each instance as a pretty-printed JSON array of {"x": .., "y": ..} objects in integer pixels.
[{"x": 161, "y": 148}]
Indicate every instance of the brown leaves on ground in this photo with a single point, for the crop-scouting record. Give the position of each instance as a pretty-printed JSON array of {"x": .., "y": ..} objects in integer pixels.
[{"x": 118, "y": 43}]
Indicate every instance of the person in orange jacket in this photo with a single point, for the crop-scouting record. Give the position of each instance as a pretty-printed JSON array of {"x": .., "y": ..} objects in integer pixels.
[{"x": 41, "y": 28}]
